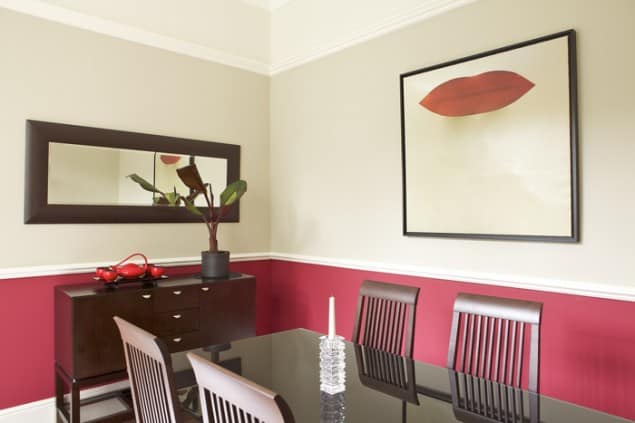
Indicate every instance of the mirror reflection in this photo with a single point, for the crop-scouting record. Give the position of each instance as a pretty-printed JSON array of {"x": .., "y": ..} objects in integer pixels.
[{"x": 91, "y": 175}]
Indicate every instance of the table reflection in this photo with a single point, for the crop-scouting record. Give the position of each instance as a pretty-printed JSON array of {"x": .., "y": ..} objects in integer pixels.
[
  {"x": 387, "y": 388},
  {"x": 479, "y": 400},
  {"x": 332, "y": 408},
  {"x": 388, "y": 373}
]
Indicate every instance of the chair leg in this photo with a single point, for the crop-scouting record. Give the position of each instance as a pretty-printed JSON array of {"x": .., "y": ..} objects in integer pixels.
[{"x": 191, "y": 400}]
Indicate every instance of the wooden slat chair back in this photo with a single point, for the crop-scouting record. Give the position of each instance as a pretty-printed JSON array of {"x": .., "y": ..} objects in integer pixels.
[
  {"x": 489, "y": 338},
  {"x": 488, "y": 358},
  {"x": 385, "y": 317},
  {"x": 226, "y": 397},
  {"x": 151, "y": 375}
]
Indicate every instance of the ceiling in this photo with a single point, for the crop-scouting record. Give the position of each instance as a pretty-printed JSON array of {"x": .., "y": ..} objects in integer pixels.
[{"x": 263, "y": 36}]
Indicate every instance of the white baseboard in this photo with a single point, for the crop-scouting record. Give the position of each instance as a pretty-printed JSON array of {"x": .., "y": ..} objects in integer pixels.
[
  {"x": 44, "y": 410},
  {"x": 33, "y": 412}
]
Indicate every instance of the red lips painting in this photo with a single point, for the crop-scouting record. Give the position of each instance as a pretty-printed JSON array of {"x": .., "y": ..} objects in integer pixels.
[
  {"x": 476, "y": 94},
  {"x": 489, "y": 141}
]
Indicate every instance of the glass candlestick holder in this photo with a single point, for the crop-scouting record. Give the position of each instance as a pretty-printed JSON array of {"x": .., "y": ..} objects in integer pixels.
[{"x": 332, "y": 364}]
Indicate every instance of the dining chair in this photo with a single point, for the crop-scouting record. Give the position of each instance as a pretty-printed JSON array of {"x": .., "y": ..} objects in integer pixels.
[
  {"x": 151, "y": 377},
  {"x": 493, "y": 356},
  {"x": 385, "y": 317},
  {"x": 228, "y": 397}
]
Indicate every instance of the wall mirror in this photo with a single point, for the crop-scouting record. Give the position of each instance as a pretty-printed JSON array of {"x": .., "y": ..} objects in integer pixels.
[{"x": 78, "y": 174}]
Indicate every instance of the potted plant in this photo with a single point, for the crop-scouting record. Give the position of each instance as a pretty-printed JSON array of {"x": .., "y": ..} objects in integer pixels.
[{"x": 214, "y": 263}]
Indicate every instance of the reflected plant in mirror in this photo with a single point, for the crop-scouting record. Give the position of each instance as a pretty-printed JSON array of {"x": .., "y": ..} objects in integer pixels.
[{"x": 215, "y": 263}]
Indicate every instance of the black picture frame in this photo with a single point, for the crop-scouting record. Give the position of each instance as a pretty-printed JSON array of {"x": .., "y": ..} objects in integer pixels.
[
  {"x": 40, "y": 134},
  {"x": 410, "y": 80}
]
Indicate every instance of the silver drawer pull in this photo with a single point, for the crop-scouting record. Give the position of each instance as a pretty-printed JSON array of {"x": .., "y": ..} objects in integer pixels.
[
  {"x": 176, "y": 292},
  {"x": 205, "y": 288},
  {"x": 176, "y": 316},
  {"x": 177, "y": 340},
  {"x": 146, "y": 296}
]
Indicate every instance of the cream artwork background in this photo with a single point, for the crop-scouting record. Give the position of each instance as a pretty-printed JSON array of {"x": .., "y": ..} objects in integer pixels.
[{"x": 502, "y": 172}]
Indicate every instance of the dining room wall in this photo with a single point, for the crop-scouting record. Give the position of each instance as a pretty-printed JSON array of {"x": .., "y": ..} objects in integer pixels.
[
  {"x": 53, "y": 72},
  {"x": 332, "y": 144},
  {"x": 335, "y": 148},
  {"x": 586, "y": 343}
]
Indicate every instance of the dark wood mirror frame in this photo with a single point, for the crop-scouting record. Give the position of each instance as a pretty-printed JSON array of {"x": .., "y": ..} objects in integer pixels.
[{"x": 40, "y": 134}]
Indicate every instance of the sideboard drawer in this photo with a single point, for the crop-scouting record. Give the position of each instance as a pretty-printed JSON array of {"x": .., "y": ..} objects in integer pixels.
[
  {"x": 176, "y": 321},
  {"x": 176, "y": 298},
  {"x": 182, "y": 342}
]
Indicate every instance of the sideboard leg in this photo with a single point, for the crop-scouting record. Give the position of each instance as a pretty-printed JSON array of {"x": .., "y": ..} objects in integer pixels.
[
  {"x": 214, "y": 351},
  {"x": 74, "y": 409}
]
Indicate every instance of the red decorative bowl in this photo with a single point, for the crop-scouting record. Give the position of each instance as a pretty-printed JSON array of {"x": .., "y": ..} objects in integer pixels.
[
  {"x": 131, "y": 270},
  {"x": 156, "y": 271},
  {"x": 100, "y": 272},
  {"x": 109, "y": 275}
]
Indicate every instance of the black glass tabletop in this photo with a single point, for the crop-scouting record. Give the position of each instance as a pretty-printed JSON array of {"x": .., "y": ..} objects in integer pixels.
[{"x": 385, "y": 388}]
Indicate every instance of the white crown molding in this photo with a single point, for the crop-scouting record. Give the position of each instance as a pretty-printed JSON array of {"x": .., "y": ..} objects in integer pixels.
[
  {"x": 276, "y": 4},
  {"x": 103, "y": 26},
  {"x": 65, "y": 16},
  {"x": 269, "y": 5},
  {"x": 587, "y": 289},
  {"x": 392, "y": 23}
]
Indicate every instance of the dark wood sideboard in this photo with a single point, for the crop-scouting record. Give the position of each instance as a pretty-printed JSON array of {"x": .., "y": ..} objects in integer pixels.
[{"x": 186, "y": 312}]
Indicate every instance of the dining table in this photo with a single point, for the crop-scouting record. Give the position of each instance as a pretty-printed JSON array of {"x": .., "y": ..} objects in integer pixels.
[{"x": 377, "y": 388}]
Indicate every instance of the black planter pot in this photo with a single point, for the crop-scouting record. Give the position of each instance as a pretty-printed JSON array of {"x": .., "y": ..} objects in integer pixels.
[{"x": 214, "y": 265}]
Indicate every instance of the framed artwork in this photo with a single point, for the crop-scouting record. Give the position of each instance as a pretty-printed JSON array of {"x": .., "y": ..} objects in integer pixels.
[{"x": 489, "y": 144}]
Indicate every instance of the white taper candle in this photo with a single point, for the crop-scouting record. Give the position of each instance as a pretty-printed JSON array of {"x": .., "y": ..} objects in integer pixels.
[{"x": 331, "y": 317}]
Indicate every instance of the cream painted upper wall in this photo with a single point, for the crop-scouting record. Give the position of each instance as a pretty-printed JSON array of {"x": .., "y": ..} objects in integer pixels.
[
  {"x": 53, "y": 72},
  {"x": 335, "y": 146},
  {"x": 233, "y": 26}
]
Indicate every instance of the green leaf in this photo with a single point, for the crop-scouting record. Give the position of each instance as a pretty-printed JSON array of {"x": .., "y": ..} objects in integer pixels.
[
  {"x": 173, "y": 198},
  {"x": 191, "y": 207},
  {"x": 233, "y": 192},
  {"x": 144, "y": 184},
  {"x": 191, "y": 178}
]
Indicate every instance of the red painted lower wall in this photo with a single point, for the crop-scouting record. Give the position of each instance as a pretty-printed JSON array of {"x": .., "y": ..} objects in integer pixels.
[
  {"x": 587, "y": 347},
  {"x": 26, "y": 325},
  {"x": 587, "y": 344}
]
